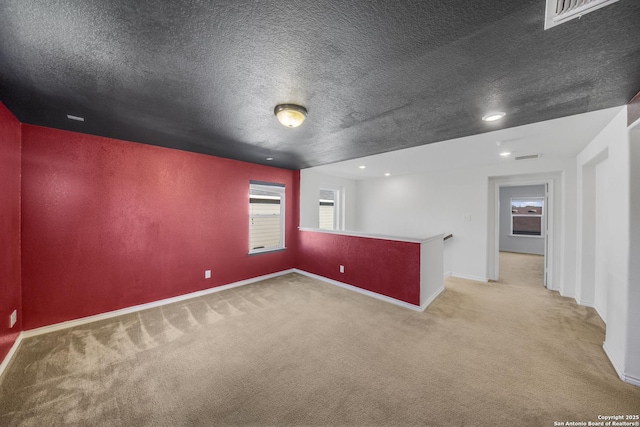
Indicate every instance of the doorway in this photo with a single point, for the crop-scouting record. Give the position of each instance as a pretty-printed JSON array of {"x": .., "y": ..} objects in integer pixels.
[
  {"x": 521, "y": 244},
  {"x": 545, "y": 219}
]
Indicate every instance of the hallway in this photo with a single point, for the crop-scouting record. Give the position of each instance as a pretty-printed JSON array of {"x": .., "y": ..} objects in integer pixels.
[{"x": 521, "y": 269}]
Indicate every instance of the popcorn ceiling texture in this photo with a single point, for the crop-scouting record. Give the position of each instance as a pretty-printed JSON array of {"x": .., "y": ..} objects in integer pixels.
[{"x": 375, "y": 76}]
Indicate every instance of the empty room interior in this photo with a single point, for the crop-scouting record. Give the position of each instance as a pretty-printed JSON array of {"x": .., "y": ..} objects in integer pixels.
[{"x": 320, "y": 213}]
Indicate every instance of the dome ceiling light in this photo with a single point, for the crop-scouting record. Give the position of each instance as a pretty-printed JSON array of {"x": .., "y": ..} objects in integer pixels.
[{"x": 290, "y": 115}]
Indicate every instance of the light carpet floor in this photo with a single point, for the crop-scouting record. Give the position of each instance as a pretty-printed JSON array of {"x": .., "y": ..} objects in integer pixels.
[{"x": 296, "y": 351}]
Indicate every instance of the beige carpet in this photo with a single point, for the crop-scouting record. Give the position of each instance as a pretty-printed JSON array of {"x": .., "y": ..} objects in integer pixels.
[
  {"x": 295, "y": 351},
  {"x": 521, "y": 269}
]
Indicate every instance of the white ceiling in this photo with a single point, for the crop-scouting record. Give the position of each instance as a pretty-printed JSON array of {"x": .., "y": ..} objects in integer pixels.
[{"x": 558, "y": 138}]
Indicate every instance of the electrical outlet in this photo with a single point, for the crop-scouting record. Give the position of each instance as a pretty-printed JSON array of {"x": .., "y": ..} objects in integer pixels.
[
  {"x": 207, "y": 274},
  {"x": 342, "y": 269},
  {"x": 14, "y": 318},
  {"x": 467, "y": 217}
]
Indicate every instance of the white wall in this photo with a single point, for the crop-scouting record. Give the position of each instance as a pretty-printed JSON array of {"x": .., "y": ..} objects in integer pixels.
[
  {"x": 633, "y": 301},
  {"x": 310, "y": 184},
  {"x": 427, "y": 204},
  {"x": 612, "y": 255},
  {"x": 602, "y": 233},
  {"x": 452, "y": 201},
  {"x": 521, "y": 244},
  {"x": 462, "y": 201},
  {"x": 431, "y": 270}
]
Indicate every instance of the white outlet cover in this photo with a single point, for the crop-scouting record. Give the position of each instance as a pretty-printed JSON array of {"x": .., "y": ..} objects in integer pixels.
[
  {"x": 342, "y": 269},
  {"x": 14, "y": 318},
  {"x": 207, "y": 274}
]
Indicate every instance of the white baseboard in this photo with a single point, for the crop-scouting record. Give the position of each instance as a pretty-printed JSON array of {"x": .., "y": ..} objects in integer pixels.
[
  {"x": 432, "y": 298},
  {"x": 586, "y": 303},
  {"x": 10, "y": 354},
  {"x": 632, "y": 380},
  {"x": 554, "y": 287},
  {"x": 470, "y": 277},
  {"x": 595, "y": 307},
  {"x": 572, "y": 296},
  {"x": 614, "y": 361},
  {"x": 629, "y": 379},
  {"x": 363, "y": 291},
  {"x": 63, "y": 325},
  {"x": 140, "y": 307},
  {"x": 133, "y": 309}
]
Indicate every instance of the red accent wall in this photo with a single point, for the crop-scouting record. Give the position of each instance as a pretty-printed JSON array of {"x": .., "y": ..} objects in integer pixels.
[
  {"x": 387, "y": 267},
  {"x": 10, "y": 286},
  {"x": 109, "y": 224}
]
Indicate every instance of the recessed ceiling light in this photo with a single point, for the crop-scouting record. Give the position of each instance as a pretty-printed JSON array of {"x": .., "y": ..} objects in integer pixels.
[
  {"x": 269, "y": 158},
  {"x": 387, "y": 174},
  {"x": 362, "y": 167},
  {"x": 492, "y": 117},
  {"x": 505, "y": 154},
  {"x": 76, "y": 118},
  {"x": 290, "y": 115}
]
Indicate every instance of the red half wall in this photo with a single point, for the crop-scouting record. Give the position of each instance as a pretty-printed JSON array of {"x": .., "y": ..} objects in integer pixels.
[
  {"x": 10, "y": 287},
  {"x": 109, "y": 224},
  {"x": 387, "y": 267}
]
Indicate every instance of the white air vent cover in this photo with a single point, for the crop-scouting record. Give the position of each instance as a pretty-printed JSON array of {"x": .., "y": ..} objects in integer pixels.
[
  {"x": 559, "y": 11},
  {"x": 528, "y": 156}
]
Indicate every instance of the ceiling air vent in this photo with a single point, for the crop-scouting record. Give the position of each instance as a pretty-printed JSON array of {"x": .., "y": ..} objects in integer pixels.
[
  {"x": 560, "y": 11},
  {"x": 528, "y": 156}
]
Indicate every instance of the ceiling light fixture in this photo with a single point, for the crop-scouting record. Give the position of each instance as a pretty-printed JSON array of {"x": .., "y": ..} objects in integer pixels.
[
  {"x": 492, "y": 117},
  {"x": 362, "y": 167},
  {"x": 290, "y": 115},
  {"x": 505, "y": 154},
  {"x": 269, "y": 158},
  {"x": 387, "y": 174},
  {"x": 76, "y": 118}
]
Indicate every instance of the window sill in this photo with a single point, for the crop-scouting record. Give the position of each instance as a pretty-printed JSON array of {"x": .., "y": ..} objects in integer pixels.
[
  {"x": 266, "y": 251},
  {"x": 526, "y": 235}
]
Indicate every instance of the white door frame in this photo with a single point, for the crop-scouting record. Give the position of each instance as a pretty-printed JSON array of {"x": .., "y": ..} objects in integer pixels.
[{"x": 494, "y": 231}]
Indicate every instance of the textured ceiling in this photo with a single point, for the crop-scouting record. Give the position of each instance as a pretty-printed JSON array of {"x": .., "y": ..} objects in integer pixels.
[{"x": 376, "y": 76}]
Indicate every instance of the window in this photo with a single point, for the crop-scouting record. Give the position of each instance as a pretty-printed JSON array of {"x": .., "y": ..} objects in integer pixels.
[
  {"x": 328, "y": 216},
  {"x": 266, "y": 217},
  {"x": 526, "y": 216},
  {"x": 331, "y": 208}
]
